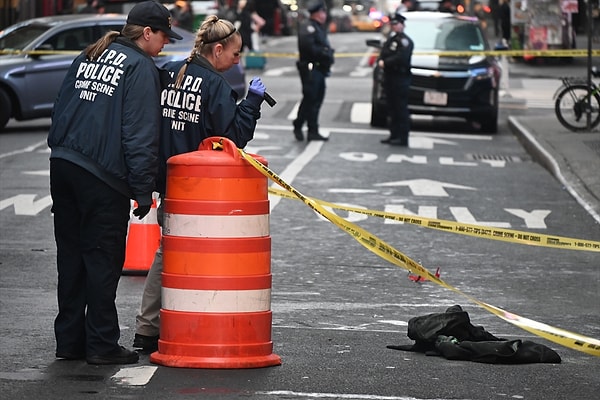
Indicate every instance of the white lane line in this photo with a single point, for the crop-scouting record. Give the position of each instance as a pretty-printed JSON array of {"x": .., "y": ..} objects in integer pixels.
[
  {"x": 135, "y": 376},
  {"x": 278, "y": 71},
  {"x": 375, "y": 131},
  {"x": 293, "y": 169},
  {"x": 45, "y": 172},
  {"x": 27, "y": 149},
  {"x": 289, "y": 393},
  {"x": 360, "y": 113}
]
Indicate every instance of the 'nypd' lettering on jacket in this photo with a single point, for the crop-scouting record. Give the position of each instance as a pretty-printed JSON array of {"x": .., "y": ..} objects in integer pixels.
[
  {"x": 102, "y": 76},
  {"x": 183, "y": 105}
]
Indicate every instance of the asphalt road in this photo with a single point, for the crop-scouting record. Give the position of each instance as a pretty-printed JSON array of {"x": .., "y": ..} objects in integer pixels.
[{"x": 336, "y": 306}]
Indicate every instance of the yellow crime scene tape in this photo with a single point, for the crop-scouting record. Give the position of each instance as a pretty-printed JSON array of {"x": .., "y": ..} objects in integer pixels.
[
  {"x": 387, "y": 252},
  {"x": 486, "y": 232},
  {"x": 496, "y": 53}
]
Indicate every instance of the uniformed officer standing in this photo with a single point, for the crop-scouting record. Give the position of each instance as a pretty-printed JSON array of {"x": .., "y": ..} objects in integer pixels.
[
  {"x": 316, "y": 58},
  {"x": 394, "y": 59}
]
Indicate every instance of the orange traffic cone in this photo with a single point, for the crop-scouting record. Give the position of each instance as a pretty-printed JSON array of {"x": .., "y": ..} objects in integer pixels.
[{"x": 143, "y": 239}]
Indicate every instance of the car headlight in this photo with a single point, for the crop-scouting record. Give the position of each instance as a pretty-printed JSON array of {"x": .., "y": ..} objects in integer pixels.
[
  {"x": 490, "y": 73},
  {"x": 482, "y": 73}
]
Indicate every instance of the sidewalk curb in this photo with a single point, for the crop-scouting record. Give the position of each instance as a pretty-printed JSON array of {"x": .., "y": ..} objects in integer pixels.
[{"x": 557, "y": 167}]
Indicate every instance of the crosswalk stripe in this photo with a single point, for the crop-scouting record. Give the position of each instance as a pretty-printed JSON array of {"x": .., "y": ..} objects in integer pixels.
[
  {"x": 360, "y": 112},
  {"x": 134, "y": 376}
]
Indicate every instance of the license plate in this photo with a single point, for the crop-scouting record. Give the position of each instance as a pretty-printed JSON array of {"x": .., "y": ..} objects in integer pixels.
[{"x": 435, "y": 98}]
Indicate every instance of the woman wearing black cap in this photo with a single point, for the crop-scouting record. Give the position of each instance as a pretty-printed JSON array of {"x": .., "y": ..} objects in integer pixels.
[
  {"x": 104, "y": 152},
  {"x": 197, "y": 104}
]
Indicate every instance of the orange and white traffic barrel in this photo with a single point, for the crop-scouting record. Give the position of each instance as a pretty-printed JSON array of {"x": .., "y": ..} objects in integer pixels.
[
  {"x": 216, "y": 280},
  {"x": 143, "y": 239}
]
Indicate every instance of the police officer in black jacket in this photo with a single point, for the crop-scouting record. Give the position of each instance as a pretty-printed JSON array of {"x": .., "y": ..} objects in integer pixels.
[
  {"x": 394, "y": 59},
  {"x": 104, "y": 151},
  {"x": 316, "y": 58}
]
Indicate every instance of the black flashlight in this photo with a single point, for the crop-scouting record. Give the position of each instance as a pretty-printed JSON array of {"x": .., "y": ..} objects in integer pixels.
[
  {"x": 267, "y": 97},
  {"x": 270, "y": 101}
]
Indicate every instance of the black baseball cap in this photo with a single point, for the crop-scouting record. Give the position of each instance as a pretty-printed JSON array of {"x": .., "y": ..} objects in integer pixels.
[
  {"x": 154, "y": 15},
  {"x": 397, "y": 17},
  {"x": 316, "y": 5}
]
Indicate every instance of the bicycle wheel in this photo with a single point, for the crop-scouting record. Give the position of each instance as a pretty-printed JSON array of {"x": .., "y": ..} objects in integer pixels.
[{"x": 572, "y": 107}]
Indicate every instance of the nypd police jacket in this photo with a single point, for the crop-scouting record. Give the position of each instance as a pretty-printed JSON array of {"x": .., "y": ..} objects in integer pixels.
[
  {"x": 204, "y": 105},
  {"x": 106, "y": 119}
]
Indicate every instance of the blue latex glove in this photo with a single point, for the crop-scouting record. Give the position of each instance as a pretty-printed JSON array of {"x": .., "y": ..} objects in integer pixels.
[{"x": 257, "y": 87}]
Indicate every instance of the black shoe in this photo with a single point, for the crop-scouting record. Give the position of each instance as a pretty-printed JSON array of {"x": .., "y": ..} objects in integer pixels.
[
  {"x": 298, "y": 134},
  {"x": 316, "y": 136},
  {"x": 146, "y": 343},
  {"x": 398, "y": 142},
  {"x": 70, "y": 356},
  {"x": 120, "y": 356},
  {"x": 386, "y": 141}
]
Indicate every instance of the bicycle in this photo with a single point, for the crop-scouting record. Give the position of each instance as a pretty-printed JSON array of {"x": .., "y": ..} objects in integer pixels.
[{"x": 575, "y": 100}]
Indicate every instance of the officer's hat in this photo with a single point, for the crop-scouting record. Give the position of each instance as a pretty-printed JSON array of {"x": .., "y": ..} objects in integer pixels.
[
  {"x": 397, "y": 17},
  {"x": 316, "y": 5}
]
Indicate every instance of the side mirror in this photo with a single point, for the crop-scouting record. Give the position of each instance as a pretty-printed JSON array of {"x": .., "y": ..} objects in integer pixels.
[
  {"x": 43, "y": 47},
  {"x": 374, "y": 43}
]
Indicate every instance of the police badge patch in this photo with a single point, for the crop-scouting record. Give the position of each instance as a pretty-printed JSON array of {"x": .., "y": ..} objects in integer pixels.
[
  {"x": 310, "y": 29},
  {"x": 404, "y": 42},
  {"x": 393, "y": 46}
]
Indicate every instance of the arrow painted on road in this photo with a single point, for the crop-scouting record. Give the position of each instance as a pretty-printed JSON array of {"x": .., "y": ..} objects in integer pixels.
[
  {"x": 25, "y": 204},
  {"x": 426, "y": 187},
  {"x": 424, "y": 142}
]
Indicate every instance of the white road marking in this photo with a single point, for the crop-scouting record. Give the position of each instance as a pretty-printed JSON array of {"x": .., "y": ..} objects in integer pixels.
[
  {"x": 426, "y": 187},
  {"x": 293, "y": 169},
  {"x": 278, "y": 71},
  {"x": 376, "y": 131},
  {"x": 134, "y": 376},
  {"x": 40, "y": 173},
  {"x": 27, "y": 149},
  {"x": 357, "y": 191},
  {"x": 360, "y": 113},
  {"x": 314, "y": 395},
  {"x": 25, "y": 204}
]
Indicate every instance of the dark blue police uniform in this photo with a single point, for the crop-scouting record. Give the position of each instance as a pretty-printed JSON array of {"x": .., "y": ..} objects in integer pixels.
[
  {"x": 316, "y": 59},
  {"x": 396, "y": 55}
]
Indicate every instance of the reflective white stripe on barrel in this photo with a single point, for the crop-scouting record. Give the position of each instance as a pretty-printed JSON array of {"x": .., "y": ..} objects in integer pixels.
[
  {"x": 216, "y": 226},
  {"x": 216, "y": 301}
]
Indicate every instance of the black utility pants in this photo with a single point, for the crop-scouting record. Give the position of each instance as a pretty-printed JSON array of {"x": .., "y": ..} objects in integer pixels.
[
  {"x": 90, "y": 229},
  {"x": 396, "y": 93},
  {"x": 313, "y": 93}
]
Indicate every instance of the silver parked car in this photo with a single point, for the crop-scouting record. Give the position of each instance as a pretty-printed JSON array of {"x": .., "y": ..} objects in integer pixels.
[{"x": 36, "y": 54}]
